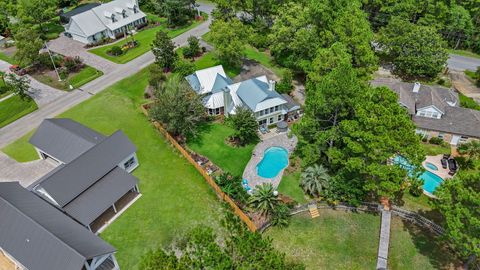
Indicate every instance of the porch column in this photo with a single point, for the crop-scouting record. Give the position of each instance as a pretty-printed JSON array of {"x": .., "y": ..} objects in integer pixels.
[
  {"x": 114, "y": 208},
  {"x": 114, "y": 260}
]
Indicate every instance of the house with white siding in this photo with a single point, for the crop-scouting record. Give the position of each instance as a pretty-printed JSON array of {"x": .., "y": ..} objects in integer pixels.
[{"x": 108, "y": 20}]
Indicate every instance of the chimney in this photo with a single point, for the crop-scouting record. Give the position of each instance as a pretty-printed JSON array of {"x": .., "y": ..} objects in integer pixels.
[
  {"x": 271, "y": 85},
  {"x": 416, "y": 87}
]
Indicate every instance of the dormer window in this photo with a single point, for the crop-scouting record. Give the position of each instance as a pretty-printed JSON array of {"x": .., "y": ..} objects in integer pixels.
[
  {"x": 124, "y": 14},
  {"x": 135, "y": 9},
  {"x": 113, "y": 18}
]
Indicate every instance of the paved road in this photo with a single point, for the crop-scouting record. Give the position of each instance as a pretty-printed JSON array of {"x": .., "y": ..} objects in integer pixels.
[
  {"x": 17, "y": 129},
  {"x": 461, "y": 63}
]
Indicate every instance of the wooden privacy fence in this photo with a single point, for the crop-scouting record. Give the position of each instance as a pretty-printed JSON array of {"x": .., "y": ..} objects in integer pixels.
[{"x": 205, "y": 175}]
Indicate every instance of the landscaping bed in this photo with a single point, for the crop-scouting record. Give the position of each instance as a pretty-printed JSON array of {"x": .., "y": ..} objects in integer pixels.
[
  {"x": 175, "y": 197},
  {"x": 144, "y": 38}
]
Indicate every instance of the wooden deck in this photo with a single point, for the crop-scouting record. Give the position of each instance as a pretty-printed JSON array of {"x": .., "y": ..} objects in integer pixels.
[{"x": 6, "y": 263}]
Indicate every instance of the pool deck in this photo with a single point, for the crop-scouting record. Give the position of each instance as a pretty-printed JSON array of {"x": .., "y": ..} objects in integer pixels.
[
  {"x": 250, "y": 172},
  {"x": 443, "y": 173}
]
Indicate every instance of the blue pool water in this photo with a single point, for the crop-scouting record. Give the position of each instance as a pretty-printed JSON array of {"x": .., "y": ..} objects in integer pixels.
[
  {"x": 274, "y": 160},
  {"x": 431, "y": 166},
  {"x": 430, "y": 180}
]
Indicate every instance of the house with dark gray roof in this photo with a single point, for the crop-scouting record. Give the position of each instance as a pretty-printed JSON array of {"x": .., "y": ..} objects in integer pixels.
[
  {"x": 222, "y": 96},
  {"x": 93, "y": 181},
  {"x": 35, "y": 235},
  {"x": 436, "y": 111}
]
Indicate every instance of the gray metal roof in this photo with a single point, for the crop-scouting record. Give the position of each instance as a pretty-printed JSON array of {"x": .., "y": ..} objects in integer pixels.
[
  {"x": 74, "y": 178},
  {"x": 65, "y": 17},
  {"x": 254, "y": 91},
  {"x": 41, "y": 237},
  {"x": 192, "y": 79},
  {"x": 99, "y": 197},
  {"x": 456, "y": 120},
  {"x": 220, "y": 83},
  {"x": 292, "y": 105},
  {"x": 64, "y": 139}
]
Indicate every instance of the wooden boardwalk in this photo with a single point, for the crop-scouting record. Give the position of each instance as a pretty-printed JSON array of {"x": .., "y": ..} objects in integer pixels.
[{"x": 382, "y": 259}]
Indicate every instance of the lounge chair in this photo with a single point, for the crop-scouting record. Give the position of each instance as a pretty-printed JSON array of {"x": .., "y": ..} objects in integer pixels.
[
  {"x": 444, "y": 163},
  {"x": 446, "y": 156},
  {"x": 452, "y": 165}
]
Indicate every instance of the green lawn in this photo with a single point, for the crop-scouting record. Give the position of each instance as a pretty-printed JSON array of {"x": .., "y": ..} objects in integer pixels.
[
  {"x": 54, "y": 28},
  {"x": 414, "y": 248},
  {"x": 209, "y": 60},
  {"x": 86, "y": 75},
  {"x": 290, "y": 186},
  {"x": 468, "y": 102},
  {"x": 211, "y": 143},
  {"x": 464, "y": 53},
  {"x": 14, "y": 108},
  {"x": 21, "y": 150},
  {"x": 175, "y": 196},
  {"x": 78, "y": 79},
  {"x": 335, "y": 240},
  {"x": 7, "y": 58},
  {"x": 433, "y": 149},
  {"x": 145, "y": 39}
]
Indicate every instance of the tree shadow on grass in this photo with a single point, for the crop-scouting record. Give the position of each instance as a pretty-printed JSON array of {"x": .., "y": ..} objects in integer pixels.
[
  {"x": 201, "y": 130},
  {"x": 432, "y": 246}
]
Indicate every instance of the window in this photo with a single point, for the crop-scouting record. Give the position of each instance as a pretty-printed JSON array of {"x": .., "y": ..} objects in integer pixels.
[
  {"x": 422, "y": 114},
  {"x": 434, "y": 115},
  {"x": 266, "y": 111},
  {"x": 276, "y": 108},
  {"x": 463, "y": 139},
  {"x": 441, "y": 135},
  {"x": 129, "y": 163},
  {"x": 280, "y": 117},
  {"x": 262, "y": 122},
  {"x": 271, "y": 120},
  {"x": 261, "y": 113},
  {"x": 271, "y": 110}
]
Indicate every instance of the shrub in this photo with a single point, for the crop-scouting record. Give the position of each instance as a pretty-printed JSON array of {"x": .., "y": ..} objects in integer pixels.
[
  {"x": 157, "y": 77},
  {"x": 63, "y": 73},
  {"x": 44, "y": 61},
  {"x": 193, "y": 48},
  {"x": 281, "y": 215},
  {"x": 416, "y": 187},
  {"x": 436, "y": 140},
  {"x": 184, "y": 67},
  {"x": 285, "y": 84},
  {"x": 115, "y": 51},
  {"x": 232, "y": 186},
  {"x": 72, "y": 64}
]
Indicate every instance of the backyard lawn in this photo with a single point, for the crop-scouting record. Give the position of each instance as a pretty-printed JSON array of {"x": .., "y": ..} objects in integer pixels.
[
  {"x": 335, "y": 240},
  {"x": 414, "y": 248},
  {"x": 290, "y": 186},
  {"x": 209, "y": 60},
  {"x": 145, "y": 39},
  {"x": 433, "y": 149},
  {"x": 77, "y": 80},
  {"x": 14, "y": 108},
  {"x": 211, "y": 143},
  {"x": 175, "y": 196}
]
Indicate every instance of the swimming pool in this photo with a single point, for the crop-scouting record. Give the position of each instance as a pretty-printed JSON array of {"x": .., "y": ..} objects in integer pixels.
[
  {"x": 274, "y": 160},
  {"x": 431, "y": 166},
  {"x": 430, "y": 180}
]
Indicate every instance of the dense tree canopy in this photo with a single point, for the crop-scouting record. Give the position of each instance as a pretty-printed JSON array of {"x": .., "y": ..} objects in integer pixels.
[
  {"x": 28, "y": 43},
  {"x": 458, "y": 199},
  {"x": 177, "y": 12},
  {"x": 164, "y": 50},
  {"x": 415, "y": 50},
  {"x": 36, "y": 11},
  {"x": 244, "y": 124},
  {"x": 229, "y": 38}
]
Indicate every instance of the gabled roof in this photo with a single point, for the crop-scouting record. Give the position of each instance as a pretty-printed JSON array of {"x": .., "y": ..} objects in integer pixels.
[
  {"x": 254, "y": 91},
  {"x": 65, "y": 184},
  {"x": 41, "y": 237},
  {"x": 94, "y": 201},
  {"x": 80, "y": 9},
  {"x": 88, "y": 22},
  {"x": 64, "y": 139},
  {"x": 292, "y": 105},
  {"x": 209, "y": 80},
  {"x": 456, "y": 120}
]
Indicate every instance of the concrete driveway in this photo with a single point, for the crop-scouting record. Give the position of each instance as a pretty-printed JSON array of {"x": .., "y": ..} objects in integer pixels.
[
  {"x": 69, "y": 47},
  {"x": 25, "y": 173}
]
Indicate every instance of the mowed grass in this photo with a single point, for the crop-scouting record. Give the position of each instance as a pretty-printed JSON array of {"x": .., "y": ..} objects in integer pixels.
[
  {"x": 21, "y": 150},
  {"x": 335, "y": 240},
  {"x": 290, "y": 186},
  {"x": 175, "y": 197},
  {"x": 144, "y": 39},
  {"x": 433, "y": 149},
  {"x": 414, "y": 248},
  {"x": 14, "y": 108},
  {"x": 211, "y": 143},
  {"x": 77, "y": 79}
]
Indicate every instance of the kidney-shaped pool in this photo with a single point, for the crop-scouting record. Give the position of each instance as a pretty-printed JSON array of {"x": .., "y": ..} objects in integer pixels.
[{"x": 274, "y": 160}]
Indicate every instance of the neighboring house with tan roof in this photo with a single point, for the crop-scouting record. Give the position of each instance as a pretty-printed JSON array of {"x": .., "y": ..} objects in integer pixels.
[
  {"x": 112, "y": 20},
  {"x": 436, "y": 111}
]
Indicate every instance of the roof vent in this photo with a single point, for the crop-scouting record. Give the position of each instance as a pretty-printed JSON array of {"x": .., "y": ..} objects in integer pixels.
[
  {"x": 118, "y": 10},
  {"x": 416, "y": 87},
  {"x": 107, "y": 14}
]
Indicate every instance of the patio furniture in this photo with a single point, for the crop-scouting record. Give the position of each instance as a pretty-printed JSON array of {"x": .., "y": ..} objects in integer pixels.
[
  {"x": 452, "y": 165},
  {"x": 452, "y": 173},
  {"x": 446, "y": 156},
  {"x": 444, "y": 163}
]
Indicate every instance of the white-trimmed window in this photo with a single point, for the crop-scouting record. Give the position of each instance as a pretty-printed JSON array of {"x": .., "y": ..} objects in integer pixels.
[
  {"x": 441, "y": 135},
  {"x": 271, "y": 120},
  {"x": 280, "y": 117},
  {"x": 129, "y": 163}
]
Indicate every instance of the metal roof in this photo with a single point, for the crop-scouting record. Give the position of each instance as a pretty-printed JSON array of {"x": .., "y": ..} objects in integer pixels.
[
  {"x": 99, "y": 197},
  {"x": 208, "y": 80},
  {"x": 254, "y": 91},
  {"x": 64, "y": 139},
  {"x": 41, "y": 237},
  {"x": 65, "y": 184},
  {"x": 80, "y": 9}
]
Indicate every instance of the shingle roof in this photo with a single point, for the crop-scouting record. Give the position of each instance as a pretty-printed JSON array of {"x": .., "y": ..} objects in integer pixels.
[
  {"x": 456, "y": 120},
  {"x": 64, "y": 139},
  {"x": 254, "y": 91},
  {"x": 99, "y": 197},
  {"x": 65, "y": 184},
  {"x": 41, "y": 237}
]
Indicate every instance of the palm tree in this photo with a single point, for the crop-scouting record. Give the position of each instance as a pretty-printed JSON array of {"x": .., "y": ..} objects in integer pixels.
[
  {"x": 472, "y": 149},
  {"x": 263, "y": 199},
  {"x": 315, "y": 180}
]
